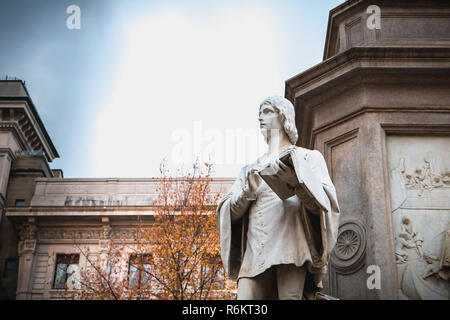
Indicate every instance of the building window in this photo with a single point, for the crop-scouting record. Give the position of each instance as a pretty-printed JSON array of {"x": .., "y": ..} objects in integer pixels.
[
  {"x": 10, "y": 268},
  {"x": 20, "y": 202},
  {"x": 220, "y": 279},
  {"x": 138, "y": 270},
  {"x": 218, "y": 271},
  {"x": 66, "y": 271}
]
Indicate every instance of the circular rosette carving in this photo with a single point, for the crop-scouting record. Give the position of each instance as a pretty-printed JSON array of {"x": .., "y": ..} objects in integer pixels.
[
  {"x": 349, "y": 251},
  {"x": 347, "y": 244}
]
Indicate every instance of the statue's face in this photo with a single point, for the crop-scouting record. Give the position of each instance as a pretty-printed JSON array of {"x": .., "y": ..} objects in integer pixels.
[{"x": 269, "y": 119}]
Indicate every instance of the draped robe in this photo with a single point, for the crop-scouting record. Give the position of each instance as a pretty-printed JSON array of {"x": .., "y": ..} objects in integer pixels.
[{"x": 272, "y": 231}]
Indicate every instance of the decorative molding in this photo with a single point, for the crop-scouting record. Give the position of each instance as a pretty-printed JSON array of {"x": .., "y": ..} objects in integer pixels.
[
  {"x": 85, "y": 234},
  {"x": 27, "y": 108},
  {"x": 379, "y": 57},
  {"x": 391, "y": 128},
  {"x": 28, "y": 230},
  {"x": 69, "y": 234},
  {"x": 349, "y": 28},
  {"x": 11, "y": 156},
  {"x": 336, "y": 141},
  {"x": 415, "y": 14},
  {"x": 349, "y": 253},
  {"x": 17, "y": 132},
  {"x": 416, "y": 129},
  {"x": 347, "y": 244}
]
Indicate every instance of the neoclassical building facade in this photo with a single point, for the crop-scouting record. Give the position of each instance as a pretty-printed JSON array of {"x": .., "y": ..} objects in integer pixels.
[
  {"x": 377, "y": 107},
  {"x": 45, "y": 215}
]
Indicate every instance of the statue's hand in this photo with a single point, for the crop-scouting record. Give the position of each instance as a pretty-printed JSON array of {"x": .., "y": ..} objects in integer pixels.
[{"x": 254, "y": 180}]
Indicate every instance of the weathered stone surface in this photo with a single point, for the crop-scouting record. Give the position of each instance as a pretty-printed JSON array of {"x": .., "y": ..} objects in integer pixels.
[{"x": 374, "y": 84}]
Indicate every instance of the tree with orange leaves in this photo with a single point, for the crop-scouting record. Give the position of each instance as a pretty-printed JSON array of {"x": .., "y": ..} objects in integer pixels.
[{"x": 175, "y": 256}]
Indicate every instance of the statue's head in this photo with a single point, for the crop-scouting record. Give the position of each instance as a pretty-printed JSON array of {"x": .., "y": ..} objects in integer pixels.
[
  {"x": 276, "y": 112},
  {"x": 429, "y": 257},
  {"x": 406, "y": 220}
]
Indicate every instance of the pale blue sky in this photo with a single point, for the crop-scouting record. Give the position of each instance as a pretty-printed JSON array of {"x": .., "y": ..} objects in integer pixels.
[{"x": 115, "y": 95}]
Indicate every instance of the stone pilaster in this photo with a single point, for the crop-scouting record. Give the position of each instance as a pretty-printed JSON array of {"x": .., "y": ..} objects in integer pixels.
[
  {"x": 6, "y": 158},
  {"x": 27, "y": 249}
]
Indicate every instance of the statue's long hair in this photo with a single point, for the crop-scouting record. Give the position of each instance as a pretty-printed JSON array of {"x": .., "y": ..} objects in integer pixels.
[{"x": 286, "y": 112}]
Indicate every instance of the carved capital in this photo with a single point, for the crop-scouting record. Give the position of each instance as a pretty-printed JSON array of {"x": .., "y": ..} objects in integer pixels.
[
  {"x": 27, "y": 247},
  {"x": 28, "y": 230}
]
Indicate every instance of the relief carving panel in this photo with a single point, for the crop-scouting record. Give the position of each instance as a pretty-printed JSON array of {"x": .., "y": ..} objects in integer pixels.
[{"x": 420, "y": 192}]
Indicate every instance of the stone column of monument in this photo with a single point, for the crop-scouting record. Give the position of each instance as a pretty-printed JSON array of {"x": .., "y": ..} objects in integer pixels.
[
  {"x": 25, "y": 150},
  {"x": 378, "y": 108}
]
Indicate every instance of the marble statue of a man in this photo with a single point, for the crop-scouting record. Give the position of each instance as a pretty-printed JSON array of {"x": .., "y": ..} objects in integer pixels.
[{"x": 278, "y": 248}]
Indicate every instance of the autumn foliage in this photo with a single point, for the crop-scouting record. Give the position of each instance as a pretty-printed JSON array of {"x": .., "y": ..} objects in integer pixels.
[{"x": 174, "y": 253}]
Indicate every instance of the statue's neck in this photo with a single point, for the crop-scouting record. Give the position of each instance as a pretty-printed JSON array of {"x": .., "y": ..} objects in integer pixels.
[{"x": 277, "y": 143}]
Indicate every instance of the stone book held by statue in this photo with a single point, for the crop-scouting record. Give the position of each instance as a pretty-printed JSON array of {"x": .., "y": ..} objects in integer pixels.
[{"x": 312, "y": 190}]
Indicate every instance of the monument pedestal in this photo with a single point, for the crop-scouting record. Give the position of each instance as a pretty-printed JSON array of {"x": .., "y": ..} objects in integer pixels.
[{"x": 381, "y": 97}]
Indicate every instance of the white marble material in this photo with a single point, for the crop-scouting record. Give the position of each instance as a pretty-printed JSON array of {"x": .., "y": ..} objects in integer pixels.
[
  {"x": 258, "y": 230},
  {"x": 420, "y": 192}
]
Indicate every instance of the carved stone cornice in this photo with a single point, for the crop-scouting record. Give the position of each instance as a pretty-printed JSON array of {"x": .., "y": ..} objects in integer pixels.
[
  {"x": 350, "y": 18},
  {"x": 8, "y": 152},
  {"x": 30, "y": 125},
  {"x": 84, "y": 234},
  {"x": 370, "y": 58},
  {"x": 14, "y": 128},
  {"x": 69, "y": 234}
]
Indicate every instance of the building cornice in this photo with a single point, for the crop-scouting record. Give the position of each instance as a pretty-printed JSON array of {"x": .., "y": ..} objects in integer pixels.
[
  {"x": 13, "y": 127},
  {"x": 331, "y": 16},
  {"x": 369, "y": 58},
  {"x": 9, "y": 152},
  {"x": 34, "y": 119},
  {"x": 119, "y": 180}
]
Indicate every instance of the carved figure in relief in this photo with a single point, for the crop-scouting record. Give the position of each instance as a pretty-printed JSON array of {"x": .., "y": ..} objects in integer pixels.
[
  {"x": 433, "y": 264},
  {"x": 420, "y": 273},
  {"x": 444, "y": 265},
  {"x": 418, "y": 189},
  {"x": 411, "y": 235},
  {"x": 424, "y": 178},
  {"x": 401, "y": 242}
]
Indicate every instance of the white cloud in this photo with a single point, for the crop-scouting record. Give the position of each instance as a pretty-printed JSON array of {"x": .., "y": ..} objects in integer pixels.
[{"x": 176, "y": 70}]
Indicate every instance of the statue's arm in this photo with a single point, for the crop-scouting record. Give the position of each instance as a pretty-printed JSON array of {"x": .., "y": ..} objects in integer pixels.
[
  {"x": 238, "y": 198},
  {"x": 240, "y": 201}
]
